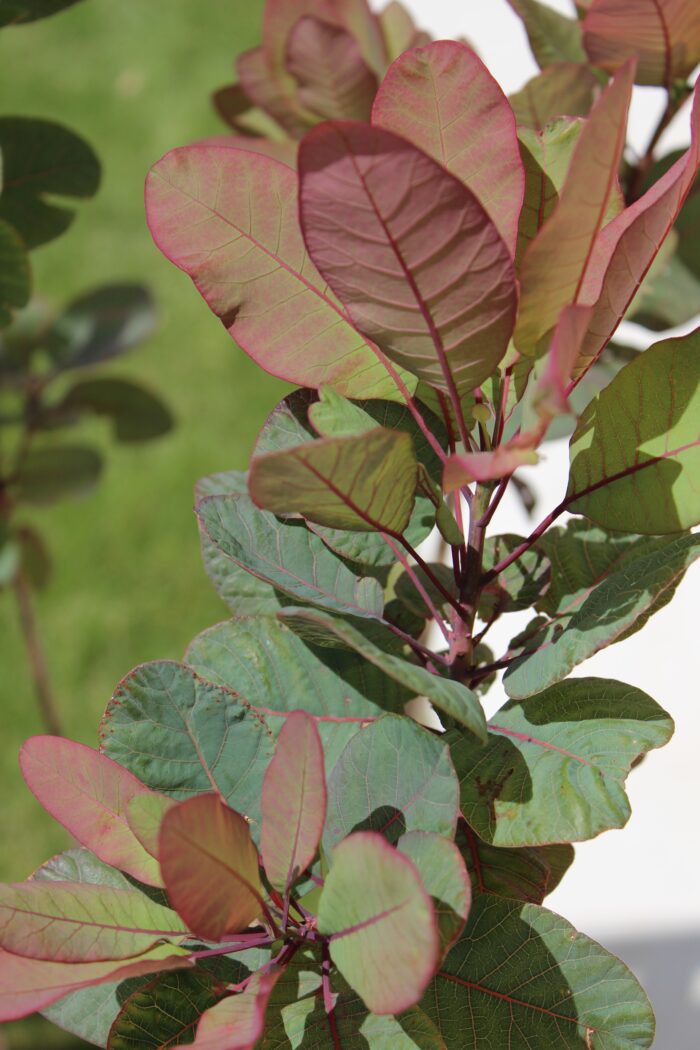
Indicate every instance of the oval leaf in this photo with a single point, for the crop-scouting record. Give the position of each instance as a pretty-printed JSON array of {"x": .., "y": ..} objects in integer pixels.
[
  {"x": 333, "y": 79},
  {"x": 293, "y": 802},
  {"x": 237, "y": 1022},
  {"x": 165, "y": 1011},
  {"x": 381, "y": 923},
  {"x": 664, "y": 35},
  {"x": 210, "y": 867},
  {"x": 446, "y": 879},
  {"x": 564, "y": 89},
  {"x": 368, "y": 194}
]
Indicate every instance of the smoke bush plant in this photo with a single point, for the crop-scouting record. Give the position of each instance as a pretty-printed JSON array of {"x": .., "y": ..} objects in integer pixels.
[{"x": 273, "y": 853}]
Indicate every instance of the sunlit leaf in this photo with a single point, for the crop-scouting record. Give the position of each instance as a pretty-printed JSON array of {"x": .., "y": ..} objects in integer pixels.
[
  {"x": 447, "y": 695},
  {"x": 553, "y": 37},
  {"x": 575, "y": 223},
  {"x": 575, "y": 743},
  {"x": 210, "y": 867},
  {"x": 663, "y": 34},
  {"x": 445, "y": 877},
  {"x": 443, "y": 99},
  {"x": 361, "y": 483},
  {"x": 392, "y": 777},
  {"x": 399, "y": 30},
  {"x": 88, "y": 794},
  {"x": 466, "y": 467},
  {"x": 144, "y": 815},
  {"x": 381, "y": 923},
  {"x": 228, "y": 218},
  {"x": 293, "y": 802},
  {"x": 42, "y": 160},
  {"x": 635, "y": 454},
  {"x": 564, "y": 89},
  {"x": 523, "y": 975},
  {"x": 445, "y": 315}
]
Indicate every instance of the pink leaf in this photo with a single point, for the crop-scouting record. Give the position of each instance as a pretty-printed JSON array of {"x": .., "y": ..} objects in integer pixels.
[
  {"x": 444, "y": 100},
  {"x": 210, "y": 867},
  {"x": 88, "y": 794},
  {"x": 355, "y": 16},
  {"x": 570, "y": 233},
  {"x": 484, "y": 466},
  {"x": 664, "y": 35},
  {"x": 237, "y": 1022},
  {"x": 628, "y": 245},
  {"x": 551, "y": 390},
  {"x": 29, "y": 985},
  {"x": 333, "y": 79},
  {"x": 275, "y": 95},
  {"x": 228, "y": 218},
  {"x": 293, "y": 802},
  {"x": 285, "y": 152},
  {"x": 411, "y": 252}
]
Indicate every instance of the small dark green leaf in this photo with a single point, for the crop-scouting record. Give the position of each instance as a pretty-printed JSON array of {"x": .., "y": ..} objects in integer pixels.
[
  {"x": 50, "y": 474},
  {"x": 101, "y": 324},
  {"x": 136, "y": 413},
  {"x": 15, "y": 278},
  {"x": 520, "y": 585},
  {"x": 16, "y": 12},
  {"x": 165, "y": 1011},
  {"x": 39, "y": 158},
  {"x": 555, "y": 765},
  {"x": 393, "y": 777}
]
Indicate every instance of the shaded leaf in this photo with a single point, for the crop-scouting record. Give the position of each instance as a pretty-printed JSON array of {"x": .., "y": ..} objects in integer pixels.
[
  {"x": 49, "y": 474},
  {"x": 237, "y": 1022},
  {"x": 443, "y": 99},
  {"x": 520, "y": 585},
  {"x": 333, "y": 79},
  {"x": 445, "y": 877},
  {"x": 183, "y": 736},
  {"x": 564, "y": 89},
  {"x": 664, "y": 35},
  {"x": 526, "y": 874},
  {"x": 100, "y": 325},
  {"x": 228, "y": 218},
  {"x": 15, "y": 277},
  {"x": 575, "y": 743},
  {"x": 88, "y": 794},
  {"x": 136, "y": 413},
  {"x": 210, "y": 867},
  {"x": 668, "y": 296},
  {"x": 36, "y": 558},
  {"x": 381, "y": 923},
  {"x": 365, "y": 482},
  {"x": 393, "y": 777},
  {"x": 638, "y": 469},
  {"x": 287, "y": 556},
  {"x": 447, "y": 695},
  {"x": 235, "y": 108},
  {"x": 42, "y": 158},
  {"x": 613, "y": 609},
  {"x": 572, "y": 229},
  {"x": 399, "y": 30},
  {"x": 165, "y": 1012},
  {"x": 522, "y": 974},
  {"x": 293, "y": 802},
  {"x": 553, "y": 37},
  {"x": 273, "y": 95},
  {"x": 370, "y": 194},
  {"x": 17, "y": 12},
  {"x": 78, "y": 923}
]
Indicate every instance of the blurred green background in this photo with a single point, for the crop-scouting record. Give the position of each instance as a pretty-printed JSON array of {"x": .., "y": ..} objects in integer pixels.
[{"x": 134, "y": 78}]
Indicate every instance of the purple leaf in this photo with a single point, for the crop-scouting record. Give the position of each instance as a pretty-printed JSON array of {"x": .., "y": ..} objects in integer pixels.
[
  {"x": 293, "y": 802},
  {"x": 444, "y": 100},
  {"x": 333, "y": 79},
  {"x": 370, "y": 204}
]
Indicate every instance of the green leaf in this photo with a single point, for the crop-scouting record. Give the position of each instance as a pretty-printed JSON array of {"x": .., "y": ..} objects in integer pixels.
[
  {"x": 381, "y": 923},
  {"x": 42, "y": 158},
  {"x": 365, "y": 482},
  {"x": 669, "y": 294},
  {"x": 101, "y": 324},
  {"x": 17, "y": 12},
  {"x": 393, "y": 777},
  {"x": 520, "y": 585},
  {"x": 293, "y": 802},
  {"x": 635, "y": 454},
  {"x": 69, "y": 922},
  {"x": 244, "y": 594},
  {"x": 15, "y": 277},
  {"x": 136, "y": 413},
  {"x": 58, "y": 472},
  {"x": 565, "y": 89},
  {"x": 165, "y": 1011},
  {"x": 449, "y": 696},
  {"x": 555, "y": 765},
  {"x": 287, "y": 556},
  {"x": 525, "y": 874},
  {"x": 553, "y": 37},
  {"x": 335, "y": 416},
  {"x": 445, "y": 877},
  {"x": 210, "y": 867},
  {"x": 617, "y": 607},
  {"x": 546, "y": 156},
  {"x": 523, "y": 977},
  {"x": 183, "y": 736}
]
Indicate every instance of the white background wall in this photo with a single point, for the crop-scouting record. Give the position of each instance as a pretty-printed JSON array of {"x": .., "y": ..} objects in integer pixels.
[{"x": 636, "y": 890}]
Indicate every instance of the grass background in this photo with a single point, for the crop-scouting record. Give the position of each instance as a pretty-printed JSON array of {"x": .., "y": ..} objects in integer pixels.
[{"x": 134, "y": 78}]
